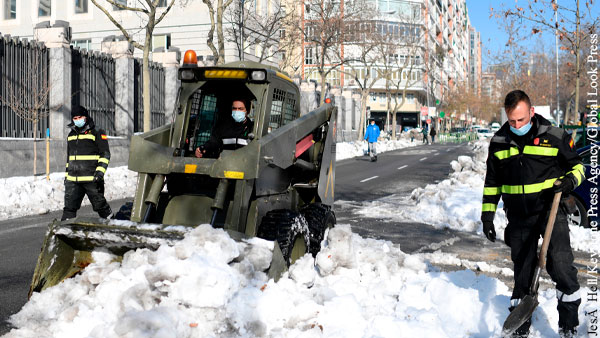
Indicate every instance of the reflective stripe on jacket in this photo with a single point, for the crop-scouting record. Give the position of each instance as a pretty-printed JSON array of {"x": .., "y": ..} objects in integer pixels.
[
  {"x": 523, "y": 175},
  {"x": 87, "y": 152}
]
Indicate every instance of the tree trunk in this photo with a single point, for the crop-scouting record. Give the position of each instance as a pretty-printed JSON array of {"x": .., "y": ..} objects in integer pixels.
[
  {"x": 364, "y": 95},
  {"x": 146, "y": 75},
  {"x": 220, "y": 38},
  {"x": 323, "y": 88}
]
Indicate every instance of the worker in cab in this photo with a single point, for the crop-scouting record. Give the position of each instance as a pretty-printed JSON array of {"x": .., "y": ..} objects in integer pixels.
[{"x": 231, "y": 133}]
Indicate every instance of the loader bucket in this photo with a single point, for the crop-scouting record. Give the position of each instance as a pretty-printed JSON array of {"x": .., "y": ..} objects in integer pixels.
[{"x": 68, "y": 246}]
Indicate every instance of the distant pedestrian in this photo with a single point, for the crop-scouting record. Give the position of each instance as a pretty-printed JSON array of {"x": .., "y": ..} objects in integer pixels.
[
  {"x": 432, "y": 133},
  {"x": 425, "y": 132},
  {"x": 371, "y": 136},
  {"x": 87, "y": 159},
  {"x": 413, "y": 133}
]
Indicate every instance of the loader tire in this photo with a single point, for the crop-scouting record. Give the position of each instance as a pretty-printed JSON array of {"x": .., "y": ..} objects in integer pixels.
[
  {"x": 124, "y": 212},
  {"x": 319, "y": 217},
  {"x": 289, "y": 229}
]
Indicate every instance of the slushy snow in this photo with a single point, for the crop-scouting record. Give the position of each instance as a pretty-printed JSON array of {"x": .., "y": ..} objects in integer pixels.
[{"x": 208, "y": 285}]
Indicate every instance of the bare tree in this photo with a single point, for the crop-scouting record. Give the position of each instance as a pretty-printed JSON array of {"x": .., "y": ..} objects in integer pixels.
[
  {"x": 362, "y": 66},
  {"x": 403, "y": 54},
  {"x": 216, "y": 12},
  {"x": 258, "y": 29},
  {"x": 28, "y": 95},
  {"x": 147, "y": 8},
  {"x": 541, "y": 14},
  {"x": 324, "y": 31}
]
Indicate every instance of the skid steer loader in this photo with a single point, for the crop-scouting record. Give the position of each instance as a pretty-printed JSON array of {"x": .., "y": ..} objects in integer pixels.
[{"x": 279, "y": 185}]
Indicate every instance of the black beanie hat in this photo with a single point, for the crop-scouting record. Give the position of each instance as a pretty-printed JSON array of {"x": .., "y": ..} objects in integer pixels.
[{"x": 79, "y": 111}]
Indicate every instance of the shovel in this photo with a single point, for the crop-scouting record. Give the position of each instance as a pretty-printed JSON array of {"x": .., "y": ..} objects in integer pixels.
[{"x": 524, "y": 310}]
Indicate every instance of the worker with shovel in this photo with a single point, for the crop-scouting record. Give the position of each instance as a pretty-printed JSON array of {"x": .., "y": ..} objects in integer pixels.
[{"x": 526, "y": 156}]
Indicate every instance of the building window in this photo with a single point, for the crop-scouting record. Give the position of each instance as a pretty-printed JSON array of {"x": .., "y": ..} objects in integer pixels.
[
  {"x": 120, "y": 2},
  {"x": 308, "y": 56},
  {"x": 44, "y": 8},
  {"x": 410, "y": 98},
  {"x": 81, "y": 6},
  {"x": 10, "y": 9},
  {"x": 159, "y": 41},
  {"x": 162, "y": 3},
  {"x": 82, "y": 43}
]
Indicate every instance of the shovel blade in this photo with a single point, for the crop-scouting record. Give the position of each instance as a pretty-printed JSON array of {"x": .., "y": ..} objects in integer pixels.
[{"x": 519, "y": 315}]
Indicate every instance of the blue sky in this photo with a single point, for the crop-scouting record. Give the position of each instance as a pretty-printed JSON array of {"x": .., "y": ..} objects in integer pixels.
[{"x": 493, "y": 37}]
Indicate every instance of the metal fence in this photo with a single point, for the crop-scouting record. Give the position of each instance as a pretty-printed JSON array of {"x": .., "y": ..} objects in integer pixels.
[
  {"x": 93, "y": 86},
  {"x": 24, "y": 88},
  {"x": 157, "y": 96}
]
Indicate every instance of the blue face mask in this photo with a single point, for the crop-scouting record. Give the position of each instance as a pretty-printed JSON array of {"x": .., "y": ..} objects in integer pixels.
[
  {"x": 79, "y": 123},
  {"x": 238, "y": 115},
  {"x": 523, "y": 130}
]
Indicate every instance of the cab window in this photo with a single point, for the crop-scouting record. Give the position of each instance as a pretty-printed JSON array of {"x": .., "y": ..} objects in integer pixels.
[
  {"x": 283, "y": 109},
  {"x": 203, "y": 116}
]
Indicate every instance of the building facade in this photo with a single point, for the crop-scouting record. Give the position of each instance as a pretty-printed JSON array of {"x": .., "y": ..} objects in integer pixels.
[{"x": 186, "y": 25}]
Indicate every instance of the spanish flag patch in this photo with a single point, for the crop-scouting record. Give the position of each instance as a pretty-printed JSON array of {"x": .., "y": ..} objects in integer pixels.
[{"x": 104, "y": 137}]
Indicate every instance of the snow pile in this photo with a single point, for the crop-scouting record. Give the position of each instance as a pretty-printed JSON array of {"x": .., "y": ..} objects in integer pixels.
[
  {"x": 22, "y": 196},
  {"x": 456, "y": 203},
  {"x": 208, "y": 285},
  {"x": 346, "y": 150}
]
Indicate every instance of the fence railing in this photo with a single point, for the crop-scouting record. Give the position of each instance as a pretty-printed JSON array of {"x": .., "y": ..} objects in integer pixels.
[
  {"x": 157, "y": 96},
  {"x": 93, "y": 86},
  {"x": 24, "y": 88}
]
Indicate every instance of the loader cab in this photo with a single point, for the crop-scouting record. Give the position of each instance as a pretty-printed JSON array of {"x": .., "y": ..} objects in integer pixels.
[
  {"x": 207, "y": 94},
  {"x": 210, "y": 108}
]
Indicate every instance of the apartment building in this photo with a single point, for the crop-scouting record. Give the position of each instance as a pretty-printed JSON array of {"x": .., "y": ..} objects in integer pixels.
[
  {"x": 432, "y": 54},
  {"x": 475, "y": 65},
  {"x": 186, "y": 26}
]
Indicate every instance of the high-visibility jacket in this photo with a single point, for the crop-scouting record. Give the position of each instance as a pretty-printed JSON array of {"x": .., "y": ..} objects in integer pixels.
[
  {"x": 87, "y": 152},
  {"x": 523, "y": 174}
]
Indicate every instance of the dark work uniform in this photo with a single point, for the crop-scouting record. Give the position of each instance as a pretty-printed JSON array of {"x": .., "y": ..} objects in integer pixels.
[
  {"x": 88, "y": 155},
  {"x": 229, "y": 135},
  {"x": 522, "y": 169}
]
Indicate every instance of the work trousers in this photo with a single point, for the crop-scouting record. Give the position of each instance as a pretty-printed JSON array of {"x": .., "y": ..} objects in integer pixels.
[
  {"x": 522, "y": 236},
  {"x": 372, "y": 149},
  {"x": 74, "y": 193}
]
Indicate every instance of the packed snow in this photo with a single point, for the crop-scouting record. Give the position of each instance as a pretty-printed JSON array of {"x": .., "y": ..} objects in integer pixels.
[{"x": 208, "y": 285}]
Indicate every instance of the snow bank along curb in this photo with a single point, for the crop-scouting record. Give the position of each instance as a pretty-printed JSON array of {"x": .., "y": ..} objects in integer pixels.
[{"x": 456, "y": 202}]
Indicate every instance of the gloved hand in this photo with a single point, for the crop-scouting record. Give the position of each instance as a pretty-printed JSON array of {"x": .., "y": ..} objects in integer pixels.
[
  {"x": 489, "y": 231},
  {"x": 566, "y": 185},
  {"x": 98, "y": 176}
]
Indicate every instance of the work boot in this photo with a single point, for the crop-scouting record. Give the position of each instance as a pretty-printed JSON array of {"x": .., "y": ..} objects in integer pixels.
[{"x": 567, "y": 332}]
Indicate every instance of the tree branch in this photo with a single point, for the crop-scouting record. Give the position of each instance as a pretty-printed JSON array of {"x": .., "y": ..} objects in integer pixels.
[{"x": 119, "y": 26}]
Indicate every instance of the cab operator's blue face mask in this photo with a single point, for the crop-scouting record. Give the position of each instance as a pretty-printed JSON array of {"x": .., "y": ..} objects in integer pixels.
[
  {"x": 523, "y": 130},
  {"x": 79, "y": 123},
  {"x": 238, "y": 115}
]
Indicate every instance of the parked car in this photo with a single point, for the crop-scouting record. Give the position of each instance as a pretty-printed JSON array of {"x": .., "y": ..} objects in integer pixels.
[
  {"x": 483, "y": 133},
  {"x": 585, "y": 192},
  {"x": 495, "y": 127}
]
